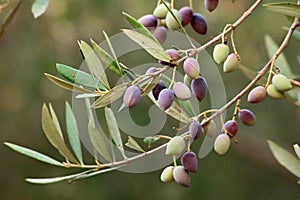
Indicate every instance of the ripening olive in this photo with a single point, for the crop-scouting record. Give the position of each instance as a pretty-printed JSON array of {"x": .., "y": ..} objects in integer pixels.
[
  {"x": 149, "y": 21},
  {"x": 189, "y": 161},
  {"x": 132, "y": 96},
  {"x": 247, "y": 117},
  {"x": 181, "y": 176},
  {"x": 231, "y": 63},
  {"x": 199, "y": 87},
  {"x": 175, "y": 146},
  {"x": 186, "y": 14},
  {"x": 191, "y": 67},
  {"x": 165, "y": 98},
  {"x": 211, "y": 5},
  {"x": 160, "y": 33},
  {"x": 257, "y": 94},
  {"x": 182, "y": 91},
  {"x": 166, "y": 175}
]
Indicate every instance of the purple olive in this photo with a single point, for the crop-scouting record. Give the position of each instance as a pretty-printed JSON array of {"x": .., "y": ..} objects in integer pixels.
[
  {"x": 132, "y": 96},
  {"x": 182, "y": 91},
  {"x": 172, "y": 53},
  {"x": 158, "y": 88},
  {"x": 195, "y": 129},
  {"x": 191, "y": 67},
  {"x": 165, "y": 99},
  {"x": 231, "y": 127},
  {"x": 149, "y": 21},
  {"x": 247, "y": 117},
  {"x": 186, "y": 14},
  {"x": 199, "y": 87},
  {"x": 199, "y": 24},
  {"x": 181, "y": 176},
  {"x": 257, "y": 94},
  {"x": 211, "y": 5},
  {"x": 189, "y": 161},
  {"x": 160, "y": 33}
]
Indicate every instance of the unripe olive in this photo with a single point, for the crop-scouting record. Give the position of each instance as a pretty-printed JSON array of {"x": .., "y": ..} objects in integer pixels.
[
  {"x": 182, "y": 91},
  {"x": 199, "y": 87},
  {"x": 187, "y": 80},
  {"x": 222, "y": 144},
  {"x": 231, "y": 63},
  {"x": 172, "y": 53},
  {"x": 175, "y": 146},
  {"x": 274, "y": 93},
  {"x": 171, "y": 21},
  {"x": 166, "y": 175},
  {"x": 161, "y": 11},
  {"x": 165, "y": 99},
  {"x": 186, "y": 14},
  {"x": 191, "y": 67},
  {"x": 199, "y": 24},
  {"x": 160, "y": 33},
  {"x": 220, "y": 53},
  {"x": 149, "y": 21},
  {"x": 231, "y": 127},
  {"x": 189, "y": 161},
  {"x": 158, "y": 88},
  {"x": 181, "y": 176},
  {"x": 257, "y": 94},
  {"x": 247, "y": 117},
  {"x": 132, "y": 96},
  {"x": 281, "y": 82},
  {"x": 195, "y": 129},
  {"x": 211, "y": 5}
]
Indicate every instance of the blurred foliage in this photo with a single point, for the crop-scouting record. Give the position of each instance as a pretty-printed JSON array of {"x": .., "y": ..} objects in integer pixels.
[{"x": 31, "y": 47}]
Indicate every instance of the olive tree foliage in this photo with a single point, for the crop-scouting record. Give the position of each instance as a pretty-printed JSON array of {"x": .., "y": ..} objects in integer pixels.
[{"x": 173, "y": 95}]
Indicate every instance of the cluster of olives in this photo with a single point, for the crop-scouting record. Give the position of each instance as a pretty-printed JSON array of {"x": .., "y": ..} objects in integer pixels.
[
  {"x": 162, "y": 19},
  {"x": 230, "y": 129},
  {"x": 189, "y": 163},
  {"x": 276, "y": 90},
  {"x": 193, "y": 83},
  {"x": 221, "y": 55}
]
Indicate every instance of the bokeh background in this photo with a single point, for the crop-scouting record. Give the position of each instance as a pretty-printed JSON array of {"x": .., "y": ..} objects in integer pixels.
[{"x": 31, "y": 47}]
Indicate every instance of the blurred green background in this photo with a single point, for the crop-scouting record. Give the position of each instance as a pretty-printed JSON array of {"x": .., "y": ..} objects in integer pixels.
[{"x": 31, "y": 47}]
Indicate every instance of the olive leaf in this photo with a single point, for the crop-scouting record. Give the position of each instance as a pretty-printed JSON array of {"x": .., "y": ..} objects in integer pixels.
[
  {"x": 94, "y": 64},
  {"x": 54, "y": 136},
  {"x": 187, "y": 106},
  {"x": 79, "y": 77},
  {"x": 39, "y": 7},
  {"x": 73, "y": 133},
  {"x": 297, "y": 150},
  {"x": 112, "y": 64},
  {"x": 33, "y": 154},
  {"x": 114, "y": 129},
  {"x": 296, "y": 33},
  {"x": 8, "y": 18},
  {"x": 131, "y": 143},
  {"x": 281, "y": 62},
  {"x": 55, "y": 120},
  {"x": 285, "y": 8},
  {"x": 151, "y": 46},
  {"x": 140, "y": 27},
  {"x": 285, "y": 158},
  {"x": 111, "y": 96},
  {"x": 66, "y": 85},
  {"x": 251, "y": 74},
  {"x": 294, "y": 95}
]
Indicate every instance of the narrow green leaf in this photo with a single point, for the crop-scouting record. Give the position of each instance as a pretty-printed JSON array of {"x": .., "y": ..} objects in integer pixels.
[
  {"x": 131, "y": 143},
  {"x": 294, "y": 95},
  {"x": 111, "y": 96},
  {"x": 33, "y": 154},
  {"x": 54, "y": 136},
  {"x": 66, "y": 85},
  {"x": 79, "y": 77},
  {"x": 152, "y": 47},
  {"x": 55, "y": 120},
  {"x": 281, "y": 62},
  {"x": 39, "y": 7},
  {"x": 114, "y": 129},
  {"x": 112, "y": 64},
  {"x": 297, "y": 150},
  {"x": 251, "y": 73},
  {"x": 285, "y": 158},
  {"x": 285, "y": 8},
  {"x": 73, "y": 132},
  {"x": 139, "y": 27},
  {"x": 9, "y": 17},
  {"x": 94, "y": 64},
  {"x": 188, "y": 108}
]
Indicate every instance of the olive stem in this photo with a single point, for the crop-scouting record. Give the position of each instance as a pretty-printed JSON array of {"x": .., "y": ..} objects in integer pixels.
[
  {"x": 236, "y": 109},
  {"x": 295, "y": 83},
  {"x": 191, "y": 4},
  {"x": 270, "y": 74},
  {"x": 173, "y": 77}
]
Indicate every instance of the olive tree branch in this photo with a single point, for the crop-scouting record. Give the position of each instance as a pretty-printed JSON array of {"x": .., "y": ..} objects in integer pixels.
[{"x": 261, "y": 73}]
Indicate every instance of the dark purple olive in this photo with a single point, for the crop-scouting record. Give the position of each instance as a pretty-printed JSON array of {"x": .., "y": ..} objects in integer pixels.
[
  {"x": 199, "y": 87},
  {"x": 172, "y": 53},
  {"x": 199, "y": 24},
  {"x": 160, "y": 33},
  {"x": 189, "y": 161},
  {"x": 149, "y": 21},
  {"x": 211, "y": 5},
  {"x": 158, "y": 88},
  {"x": 186, "y": 14}
]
